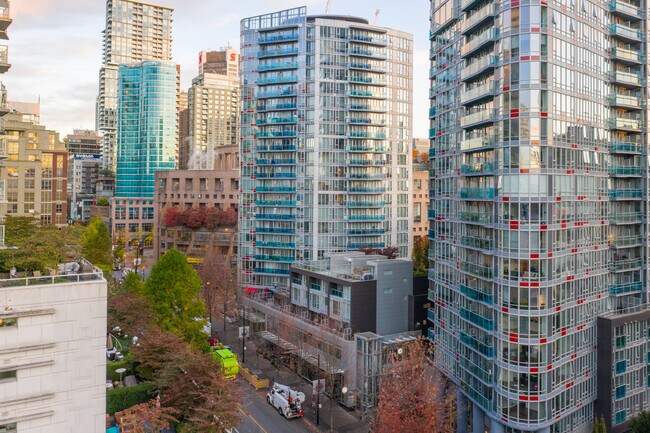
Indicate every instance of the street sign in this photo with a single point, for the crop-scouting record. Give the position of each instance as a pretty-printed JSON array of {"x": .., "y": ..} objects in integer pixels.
[{"x": 244, "y": 331}]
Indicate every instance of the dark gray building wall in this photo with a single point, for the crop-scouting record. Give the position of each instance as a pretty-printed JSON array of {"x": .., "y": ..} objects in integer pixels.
[
  {"x": 363, "y": 314},
  {"x": 394, "y": 286},
  {"x": 417, "y": 305}
]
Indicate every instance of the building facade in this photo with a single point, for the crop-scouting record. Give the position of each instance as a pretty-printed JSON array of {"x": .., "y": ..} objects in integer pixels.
[
  {"x": 325, "y": 141},
  {"x": 5, "y": 22},
  {"x": 147, "y": 138},
  {"x": 213, "y": 103},
  {"x": 83, "y": 141},
  {"x": 83, "y": 173},
  {"x": 420, "y": 200},
  {"x": 135, "y": 31},
  {"x": 203, "y": 189},
  {"x": 222, "y": 62},
  {"x": 35, "y": 171},
  {"x": 537, "y": 196},
  {"x": 53, "y": 339}
]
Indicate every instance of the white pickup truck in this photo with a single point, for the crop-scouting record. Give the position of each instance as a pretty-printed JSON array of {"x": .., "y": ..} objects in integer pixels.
[{"x": 287, "y": 401}]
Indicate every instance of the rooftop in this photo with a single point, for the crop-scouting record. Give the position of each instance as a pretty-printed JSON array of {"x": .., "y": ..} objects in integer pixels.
[{"x": 70, "y": 272}]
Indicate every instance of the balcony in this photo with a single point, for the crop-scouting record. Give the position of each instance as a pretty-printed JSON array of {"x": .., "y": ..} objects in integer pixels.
[
  {"x": 275, "y": 189},
  {"x": 488, "y": 90},
  {"x": 367, "y": 108},
  {"x": 477, "y": 217},
  {"x": 479, "y": 66},
  {"x": 624, "y": 288},
  {"x": 277, "y": 94},
  {"x": 625, "y": 33},
  {"x": 277, "y": 66},
  {"x": 626, "y": 171},
  {"x": 477, "y": 168},
  {"x": 275, "y": 230},
  {"x": 276, "y": 107},
  {"x": 478, "y": 193},
  {"x": 367, "y": 67},
  {"x": 477, "y": 242},
  {"x": 625, "y": 78},
  {"x": 272, "y": 271},
  {"x": 276, "y": 134},
  {"x": 490, "y": 10},
  {"x": 277, "y": 52},
  {"x": 624, "y": 124},
  {"x": 366, "y": 148},
  {"x": 380, "y": 203},
  {"x": 625, "y": 194},
  {"x": 270, "y": 258},
  {"x": 277, "y": 38},
  {"x": 363, "y": 190},
  {"x": 367, "y": 218},
  {"x": 476, "y": 294},
  {"x": 364, "y": 232},
  {"x": 625, "y": 10},
  {"x": 285, "y": 245},
  {"x": 477, "y": 270},
  {"x": 624, "y": 55},
  {"x": 623, "y": 218},
  {"x": 367, "y": 80},
  {"x": 275, "y": 161},
  {"x": 625, "y": 147},
  {"x": 477, "y": 320},
  {"x": 366, "y": 94},
  {"x": 478, "y": 143},
  {"x": 275, "y": 203},
  {"x": 484, "y": 375},
  {"x": 3, "y": 191},
  {"x": 485, "y": 348},
  {"x": 366, "y": 121},
  {"x": 626, "y": 264},
  {"x": 277, "y": 80},
  {"x": 370, "y": 40},
  {"x": 489, "y": 36},
  {"x": 279, "y": 217},
  {"x": 276, "y": 120},
  {"x": 626, "y": 241},
  {"x": 362, "y": 52},
  {"x": 625, "y": 101},
  {"x": 264, "y": 175},
  {"x": 488, "y": 115},
  {"x": 3, "y": 147},
  {"x": 358, "y": 245},
  {"x": 4, "y": 59},
  {"x": 367, "y": 135}
]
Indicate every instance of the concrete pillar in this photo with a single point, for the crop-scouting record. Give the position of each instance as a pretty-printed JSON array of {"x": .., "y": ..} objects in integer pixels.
[
  {"x": 461, "y": 407},
  {"x": 496, "y": 426},
  {"x": 478, "y": 419}
]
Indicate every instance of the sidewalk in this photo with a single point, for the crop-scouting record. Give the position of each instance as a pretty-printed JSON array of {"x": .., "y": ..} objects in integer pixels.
[{"x": 331, "y": 411}]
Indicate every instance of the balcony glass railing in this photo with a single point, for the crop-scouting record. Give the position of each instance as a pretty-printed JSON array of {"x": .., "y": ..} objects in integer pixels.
[
  {"x": 275, "y": 244},
  {"x": 277, "y": 52},
  {"x": 623, "y": 123},
  {"x": 625, "y": 217},
  {"x": 275, "y": 189},
  {"x": 274, "y": 66},
  {"x": 479, "y": 193},
  {"x": 626, "y": 241},
  {"x": 621, "y": 265},
  {"x": 625, "y": 32},
  {"x": 489, "y": 10},
  {"x": 277, "y": 94},
  {"x": 488, "y": 36},
  {"x": 275, "y": 161},
  {"x": 477, "y": 270},
  {"x": 270, "y": 258},
  {"x": 477, "y": 319},
  {"x": 625, "y": 54},
  {"x": 366, "y": 94},
  {"x": 277, "y": 38},
  {"x": 485, "y": 347},
  {"x": 488, "y": 89},
  {"x": 276, "y": 107},
  {"x": 359, "y": 232},
  {"x": 476, "y": 294},
  {"x": 276, "y": 134},
  {"x": 380, "y": 203},
  {"x": 367, "y": 190},
  {"x": 477, "y": 217},
  {"x": 367, "y": 218},
  {"x": 282, "y": 217},
  {"x": 622, "y": 194},
  {"x": 624, "y": 147},
  {"x": 275, "y": 230},
  {"x": 276, "y": 120},
  {"x": 275, "y": 203},
  {"x": 373, "y": 40},
  {"x": 272, "y": 271},
  {"x": 367, "y": 53},
  {"x": 483, "y": 116},
  {"x": 478, "y": 66},
  {"x": 624, "y": 100},
  {"x": 478, "y": 143},
  {"x": 621, "y": 170},
  {"x": 264, "y": 175},
  {"x": 619, "y": 289},
  {"x": 368, "y": 80},
  {"x": 625, "y": 9},
  {"x": 477, "y": 168},
  {"x": 278, "y": 80},
  {"x": 358, "y": 245},
  {"x": 477, "y": 242}
]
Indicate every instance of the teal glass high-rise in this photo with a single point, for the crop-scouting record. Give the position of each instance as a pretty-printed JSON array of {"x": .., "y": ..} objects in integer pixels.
[{"x": 146, "y": 124}]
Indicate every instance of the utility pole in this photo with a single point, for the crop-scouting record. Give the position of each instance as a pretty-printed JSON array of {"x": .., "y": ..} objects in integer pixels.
[
  {"x": 243, "y": 340},
  {"x": 137, "y": 256}
]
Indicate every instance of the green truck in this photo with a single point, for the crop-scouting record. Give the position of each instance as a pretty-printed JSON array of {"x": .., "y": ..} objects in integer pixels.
[{"x": 227, "y": 360}]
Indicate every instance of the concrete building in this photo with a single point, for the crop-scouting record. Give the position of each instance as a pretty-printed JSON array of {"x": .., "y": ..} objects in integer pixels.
[
  {"x": 420, "y": 200},
  {"x": 147, "y": 140},
  {"x": 34, "y": 177},
  {"x": 538, "y": 200},
  {"x": 83, "y": 172},
  {"x": 83, "y": 142},
  {"x": 183, "y": 131},
  {"x": 222, "y": 62},
  {"x": 5, "y": 22},
  {"x": 213, "y": 111},
  {"x": 53, "y": 352},
  {"x": 186, "y": 189},
  {"x": 135, "y": 31},
  {"x": 326, "y": 141}
]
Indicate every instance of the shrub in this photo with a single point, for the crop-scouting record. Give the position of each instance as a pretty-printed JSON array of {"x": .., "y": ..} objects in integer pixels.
[
  {"x": 119, "y": 399},
  {"x": 112, "y": 366}
]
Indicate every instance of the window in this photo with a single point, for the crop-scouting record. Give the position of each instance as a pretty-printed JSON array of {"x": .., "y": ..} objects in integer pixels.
[
  {"x": 11, "y": 321},
  {"x": 621, "y": 391},
  {"x": 620, "y": 416},
  {"x": 621, "y": 366},
  {"x": 7, "y": 375},
  {"x": 8, "y": 428}
]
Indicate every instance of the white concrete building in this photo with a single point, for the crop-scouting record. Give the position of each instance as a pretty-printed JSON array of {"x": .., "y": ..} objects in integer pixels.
[{"x": 53, "y": 353}]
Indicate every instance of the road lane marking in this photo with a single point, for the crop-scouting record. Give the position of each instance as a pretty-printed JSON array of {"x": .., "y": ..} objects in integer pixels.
[{"x": 251, "y": 417}]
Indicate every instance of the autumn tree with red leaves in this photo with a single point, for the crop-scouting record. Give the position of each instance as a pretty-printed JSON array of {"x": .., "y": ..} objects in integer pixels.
[
  {"x": 194, "y": 217},
  {"x": 212, "y": 217},
  {"x": 410, "y": 399},
  {"x": 219, "y": 277},
  {"x": 229, "y": 217},
  {"x": 390, "y": 252},
  {"x": 147, "y": 417},
  {"x": 173, "y": 216},
  {"x": 131, "y": 312}
]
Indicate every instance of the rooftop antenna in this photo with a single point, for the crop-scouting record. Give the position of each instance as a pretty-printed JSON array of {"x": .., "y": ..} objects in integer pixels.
[
  {"x": 327, "y": 6},
  {"x": 376, "y": 20}
]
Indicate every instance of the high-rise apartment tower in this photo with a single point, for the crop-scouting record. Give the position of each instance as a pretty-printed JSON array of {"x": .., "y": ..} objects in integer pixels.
[
  {"x": 135, "y": 31},
  {"x": 326, "y": 131},
  {"x": 538, "y": 201}
]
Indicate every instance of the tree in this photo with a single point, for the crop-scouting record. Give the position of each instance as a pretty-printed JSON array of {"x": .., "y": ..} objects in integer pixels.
[
  {"x": 130, "y": 311},
  {"x": 119, "y": 253},
  {"x": 390, "y": 252},
  {"x": 640, "y": 423},
  {"x": 599, "y": 425},
  {"x": 172, "y": 216},
  {"x": 194, "y": 217},
  {"x": 158, "y": 351},
  {"x": 219, "y": 283},
  {"x": 37, "y": 248},
  {"x": 409, "y": 397},
  {"x": 147, "y": 417},
  {"x": 421, "y": 253},
  {"x": 97, "y": 245},
  {"x": 212, "y": 217},
  {"x": 229, "y": 217},
  {"x": 103, "y": 201},
  {"x": 173, "y": 289}
]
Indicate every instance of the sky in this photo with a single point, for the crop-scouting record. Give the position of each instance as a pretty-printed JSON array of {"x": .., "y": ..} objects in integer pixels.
[{"x": 55, "y": 47}]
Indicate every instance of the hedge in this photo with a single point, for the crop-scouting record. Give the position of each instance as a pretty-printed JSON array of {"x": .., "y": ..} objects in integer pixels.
[
  {"x": 119, "y": 399},
  {"x": 112, "y": 366}
]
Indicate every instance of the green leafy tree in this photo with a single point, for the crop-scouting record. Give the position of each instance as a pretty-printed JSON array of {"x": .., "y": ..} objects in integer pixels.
[
  {"x": 599, "y": 425},
  {"x": 173, "y": 288},
  {"x": 33, "y": 247},
  {"x": 97, "y": 245},
  {"x": 640, "y": 423},
  {"x": 119, "y": 253},
  {"x": 421, "y": 253},
  {"x": 103, "y": 201},
  {"x": 133, "y": 284}
]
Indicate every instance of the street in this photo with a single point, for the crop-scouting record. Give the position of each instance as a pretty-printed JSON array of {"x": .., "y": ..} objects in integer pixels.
[{"x": 260, "y": 417}]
